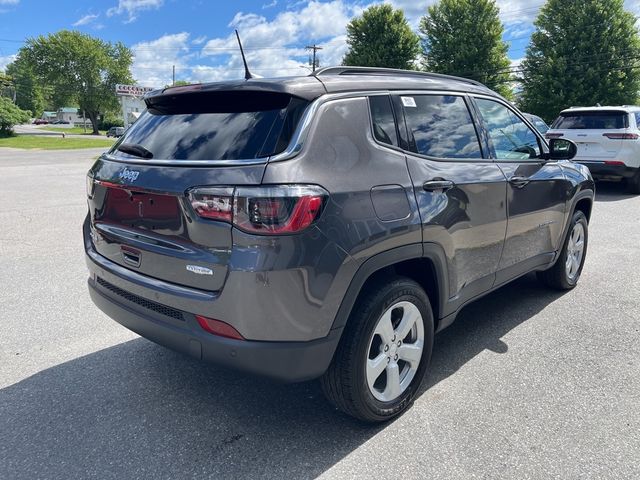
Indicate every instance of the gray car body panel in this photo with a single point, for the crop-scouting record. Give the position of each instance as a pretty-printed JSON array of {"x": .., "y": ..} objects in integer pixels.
[{"x": 300, "y": 288}]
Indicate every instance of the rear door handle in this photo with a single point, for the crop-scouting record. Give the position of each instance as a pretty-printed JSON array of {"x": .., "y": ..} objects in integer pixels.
[
  {"x": 518, "y": 181},
  {"x": 432, "y": 185}
]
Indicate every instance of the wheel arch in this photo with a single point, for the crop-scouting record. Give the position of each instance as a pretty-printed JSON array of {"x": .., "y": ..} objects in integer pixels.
[
  {"x": 585, "y": 205},
  {"x": 425, "y": 264}
]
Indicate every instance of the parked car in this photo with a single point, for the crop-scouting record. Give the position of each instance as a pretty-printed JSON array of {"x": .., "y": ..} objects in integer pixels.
[
  {"x": 608, "y": 140},
  {"x": 61, "y": 122},
  {"x": 115, "y": 132},
  {"x": 537, "y": 122},
  {"x": 327, "y": 226},
  {"x": 40, "y": 121}
]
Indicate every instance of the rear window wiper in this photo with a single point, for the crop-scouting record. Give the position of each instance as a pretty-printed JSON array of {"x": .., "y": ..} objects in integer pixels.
[{"x": 135, "y": 149}]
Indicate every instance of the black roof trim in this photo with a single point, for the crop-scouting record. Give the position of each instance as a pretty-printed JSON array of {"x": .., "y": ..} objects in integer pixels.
[{"x": 345, "y": 70}]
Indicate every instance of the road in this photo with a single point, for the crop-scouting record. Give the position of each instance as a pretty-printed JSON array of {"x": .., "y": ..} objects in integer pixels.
[
  {"x": 528, "y": 383},
  {"x": 41, "y": 130}
]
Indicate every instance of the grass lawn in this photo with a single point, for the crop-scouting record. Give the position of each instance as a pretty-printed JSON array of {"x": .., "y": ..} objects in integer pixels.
[
  {"x": 53, "y": 143},
  {"x": 73, "y": 130}
]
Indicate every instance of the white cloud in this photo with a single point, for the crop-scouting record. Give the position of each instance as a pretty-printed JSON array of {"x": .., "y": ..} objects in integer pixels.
[
  {"x": 277, "y": 47},
  {"x": 6, "y": 60},
  {"x": 9, "y": 2},
  {"x": 132, "y": 7},
  {"x": 153, "y": 61},
  {"x": 270, "y": 4},
  {"x": 85, "y": 20}
]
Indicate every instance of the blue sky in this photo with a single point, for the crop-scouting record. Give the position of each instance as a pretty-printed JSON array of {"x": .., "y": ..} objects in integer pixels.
[{"x": 197, "y": 36}]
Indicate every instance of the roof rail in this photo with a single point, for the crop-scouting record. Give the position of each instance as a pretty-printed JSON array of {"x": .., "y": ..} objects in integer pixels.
[{"x": 343, "y": 70}]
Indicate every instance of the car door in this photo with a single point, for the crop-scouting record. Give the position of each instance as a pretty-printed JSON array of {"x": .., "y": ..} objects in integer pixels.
[
  {"x": 537, "y": 189},
  {"x": 460, "y": 194}
]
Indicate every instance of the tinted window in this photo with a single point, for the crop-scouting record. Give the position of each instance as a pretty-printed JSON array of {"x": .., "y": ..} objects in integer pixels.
[
  {"x": 512, "y": 139},
  {"x": 596, "y": 120},
  {"x": 384, "y": 125},
  {"x": 441, "y": 126},
  {"x": 215, "y": 128},
  {"x": 638, "y": 120}
]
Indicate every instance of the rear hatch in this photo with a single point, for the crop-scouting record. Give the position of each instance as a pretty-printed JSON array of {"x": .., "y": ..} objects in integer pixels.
[
  {"x": 141, "y": 216},
  {"x": 597, "y": 133}
]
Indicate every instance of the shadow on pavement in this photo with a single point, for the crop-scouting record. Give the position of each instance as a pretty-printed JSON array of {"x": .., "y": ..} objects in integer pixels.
[
  {"x": 138, "y": 410},
  {"x": 612, "y": 192}
]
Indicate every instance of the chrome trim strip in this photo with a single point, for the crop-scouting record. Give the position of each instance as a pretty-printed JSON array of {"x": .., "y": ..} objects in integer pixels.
[
  {"x": 296, "y": 144},
  {"x": 185, "y": 163}
]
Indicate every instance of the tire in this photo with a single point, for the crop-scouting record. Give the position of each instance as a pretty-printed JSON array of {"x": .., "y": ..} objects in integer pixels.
[
  {"x": 346, "y": 383},
  {"x": 633, "y": 183},
  {"x": 562, "y": 275}
]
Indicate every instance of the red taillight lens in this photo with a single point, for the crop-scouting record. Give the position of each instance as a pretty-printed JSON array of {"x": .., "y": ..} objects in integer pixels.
[
  {"x": 614, "y": 162},
  {"x": 272, "y": 210},
  {"x": 549, "y": 136},
  {"x": 218, "y": 327},
  {"x": 213, "y": 203},
  {"x": 621, "y": 136}
]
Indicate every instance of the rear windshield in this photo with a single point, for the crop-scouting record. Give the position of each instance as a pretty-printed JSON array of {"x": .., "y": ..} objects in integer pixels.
[
  {"x": 215, "y": 126},
  {"x": 600, "y": 120}
]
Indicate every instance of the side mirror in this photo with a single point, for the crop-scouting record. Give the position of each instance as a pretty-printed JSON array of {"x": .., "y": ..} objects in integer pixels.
[{"x": 562, "y": 149}]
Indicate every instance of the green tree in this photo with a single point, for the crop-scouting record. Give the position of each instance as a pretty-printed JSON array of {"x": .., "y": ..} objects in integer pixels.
[
  {"x": 381, "y": 37},
  {"x": 29, "y": 93},
  {"x": 179, "y": 83},
  {"x": 11, "y": 115},
  {"x": 80, "y": 69},
  {"x": 583, "y": 52},
  {"x": 464, "y": 38}
]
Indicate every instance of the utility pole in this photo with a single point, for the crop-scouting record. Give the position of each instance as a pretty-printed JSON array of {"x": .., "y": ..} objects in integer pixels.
[
  {"x": 174, "y": 76},
  {"x": 315, "y": 63}
]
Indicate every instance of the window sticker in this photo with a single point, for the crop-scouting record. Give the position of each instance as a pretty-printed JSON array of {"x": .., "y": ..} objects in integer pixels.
[{"x": 408, "y": 101}]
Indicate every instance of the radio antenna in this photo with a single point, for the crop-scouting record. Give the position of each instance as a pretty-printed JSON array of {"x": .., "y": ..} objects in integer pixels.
[{"x": 247, "y": 73}]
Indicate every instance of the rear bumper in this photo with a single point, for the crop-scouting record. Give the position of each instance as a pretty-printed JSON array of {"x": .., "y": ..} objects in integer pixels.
[
  {"x": 602, "y": 171},
  {"x": 282, "y": 361}
]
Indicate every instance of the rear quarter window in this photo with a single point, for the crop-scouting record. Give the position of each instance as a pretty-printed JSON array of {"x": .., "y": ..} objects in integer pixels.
[{"x": 384, "y": 125}]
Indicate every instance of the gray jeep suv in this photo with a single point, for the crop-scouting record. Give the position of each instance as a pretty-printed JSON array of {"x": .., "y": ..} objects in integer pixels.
[{"x": 327, "y": 226}]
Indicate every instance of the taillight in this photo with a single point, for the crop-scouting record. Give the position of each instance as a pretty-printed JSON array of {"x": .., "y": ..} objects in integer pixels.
[
  {"x": 268, "y": 210},
  {"x": 621, "y": 136},
  {"x": 277, "y": 210},
  {"x": 616, "y": 163},
  {"x": 213, "y": 203},
  {"x": 549, "y": 136}
]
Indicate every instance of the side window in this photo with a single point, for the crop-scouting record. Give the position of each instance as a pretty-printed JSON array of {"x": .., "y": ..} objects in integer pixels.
[
  {"x": 512, "y": 139},
  {"x": 638, "y": 120},
  {"x": 441, "y": 126},
  {"x": 384, "y": 125}
]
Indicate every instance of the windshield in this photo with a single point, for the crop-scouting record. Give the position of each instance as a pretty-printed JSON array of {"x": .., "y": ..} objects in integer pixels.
[{"x": 213, "y": 128}]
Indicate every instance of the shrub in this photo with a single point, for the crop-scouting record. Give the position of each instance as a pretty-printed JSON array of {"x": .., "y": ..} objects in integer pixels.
[
  {"x": 109, "y": 121},
  {"x": 11, "y": 115}
]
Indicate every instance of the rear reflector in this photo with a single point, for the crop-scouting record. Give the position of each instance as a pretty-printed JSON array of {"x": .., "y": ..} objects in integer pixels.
[
  {"x": 621, "y": 136},
  {"x": 614, "y": 162},
  {"x": 219, "y": 328},
  {"x": 549, "y": 136}
]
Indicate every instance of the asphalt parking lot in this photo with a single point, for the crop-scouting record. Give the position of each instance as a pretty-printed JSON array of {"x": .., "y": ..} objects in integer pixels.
[{"x": 528, "y": 383}]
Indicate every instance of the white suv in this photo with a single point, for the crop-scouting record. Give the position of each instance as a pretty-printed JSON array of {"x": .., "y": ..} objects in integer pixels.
[{"x": 608, "y": 140}]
